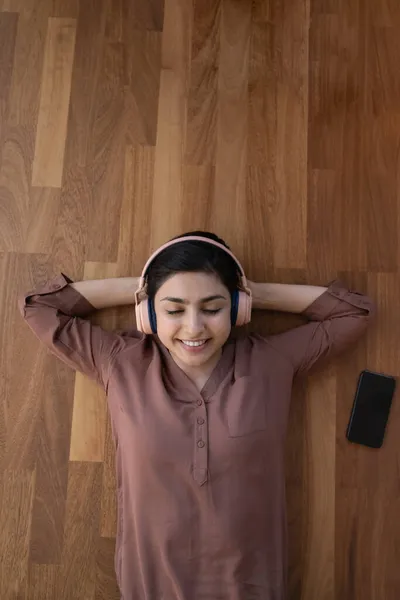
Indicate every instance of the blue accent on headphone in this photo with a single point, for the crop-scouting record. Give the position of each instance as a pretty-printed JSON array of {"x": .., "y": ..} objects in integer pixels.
[
  {"x": 235, "y": 306},
  {"x": 152, "y": 316},
  {"x": 234, "y": 311}
]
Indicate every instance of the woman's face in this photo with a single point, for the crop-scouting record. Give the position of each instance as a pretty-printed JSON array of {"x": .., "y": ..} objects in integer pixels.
[{"x": 193, "y": 317}]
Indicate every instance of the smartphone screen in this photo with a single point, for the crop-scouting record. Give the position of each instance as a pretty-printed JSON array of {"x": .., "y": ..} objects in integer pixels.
[{"x": 371, "y": 409}]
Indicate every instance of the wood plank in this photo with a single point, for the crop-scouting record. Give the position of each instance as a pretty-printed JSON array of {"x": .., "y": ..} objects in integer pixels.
[
  {"x": 16, "y": 498},
  {"x": 8, "y": 33},
  {"x": 171, "y": 124},
  {"x": 232, "y": 121},
  {"x": 54, "y": 103}
]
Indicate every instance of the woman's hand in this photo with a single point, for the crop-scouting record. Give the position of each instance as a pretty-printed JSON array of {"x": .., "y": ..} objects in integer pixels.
[{"x": 251, "y": 284}]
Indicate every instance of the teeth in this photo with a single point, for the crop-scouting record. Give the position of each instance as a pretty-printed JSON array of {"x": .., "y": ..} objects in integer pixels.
[{"x": 194, "y": 343}]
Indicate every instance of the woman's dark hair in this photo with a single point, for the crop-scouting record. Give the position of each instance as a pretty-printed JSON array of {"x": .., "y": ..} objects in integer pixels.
[{"x": 193, "y": 256}]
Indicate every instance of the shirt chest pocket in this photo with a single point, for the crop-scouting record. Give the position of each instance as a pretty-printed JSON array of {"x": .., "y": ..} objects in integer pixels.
[{"x": 246, "y": 408}]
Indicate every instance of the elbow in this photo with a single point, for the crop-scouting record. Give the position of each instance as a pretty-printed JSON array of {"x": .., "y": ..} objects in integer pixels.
[
  {"x": 21, "y": 303},
  {"x": 362, "y": 325},
  {"x": 24, "y": 301},
  {"x": 367, "y": 309},
  {"x": 370, "y": 313}
]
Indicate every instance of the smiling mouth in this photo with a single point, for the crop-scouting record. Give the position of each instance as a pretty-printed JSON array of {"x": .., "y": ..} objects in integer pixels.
[{"x": 204, "y": 342}]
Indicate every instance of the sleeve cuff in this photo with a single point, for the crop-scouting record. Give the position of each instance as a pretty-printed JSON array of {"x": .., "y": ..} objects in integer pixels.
[
  {"x": 69, "y": 300},
  {"x": 327, "y": 302}
]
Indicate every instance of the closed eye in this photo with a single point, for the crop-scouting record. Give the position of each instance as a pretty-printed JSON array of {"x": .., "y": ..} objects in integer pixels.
[{"x": 211, "y": 312}]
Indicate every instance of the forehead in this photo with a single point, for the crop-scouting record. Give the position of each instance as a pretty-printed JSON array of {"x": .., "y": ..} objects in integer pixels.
[{"x": 192, "y": 286}]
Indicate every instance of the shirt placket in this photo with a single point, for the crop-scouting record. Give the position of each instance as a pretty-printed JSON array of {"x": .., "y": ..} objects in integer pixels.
[{"x": 200, "y": 452}]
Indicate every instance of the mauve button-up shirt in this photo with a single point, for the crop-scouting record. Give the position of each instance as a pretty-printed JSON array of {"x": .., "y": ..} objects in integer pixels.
[{"x": 200, "y": 475}]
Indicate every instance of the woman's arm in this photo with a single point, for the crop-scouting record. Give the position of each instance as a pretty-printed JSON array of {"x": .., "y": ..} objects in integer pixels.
[
  {"x": 103, "y": 293},
  {"x": 57, "y": 312},
  {"x": 337, "y": 315},
  {"x": 284, "y": 297}
]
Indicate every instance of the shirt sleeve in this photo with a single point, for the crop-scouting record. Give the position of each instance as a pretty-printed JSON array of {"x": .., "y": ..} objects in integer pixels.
[
  {"x": 337, "y": 319},
  {"x": 56, "y": 313}
]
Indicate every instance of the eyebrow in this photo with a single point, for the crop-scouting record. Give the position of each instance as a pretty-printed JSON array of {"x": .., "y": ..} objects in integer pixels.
[{"x": 181, "y": 301}]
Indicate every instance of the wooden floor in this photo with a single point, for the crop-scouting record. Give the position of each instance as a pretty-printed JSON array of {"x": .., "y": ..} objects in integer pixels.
[{"x": 273, "y": 123}]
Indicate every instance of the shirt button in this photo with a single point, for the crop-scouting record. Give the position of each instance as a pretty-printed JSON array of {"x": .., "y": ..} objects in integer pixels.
[
  {"x": 199, "y": 402},
  {"x": 200, "y": 421},
  {"x": 200, "y": 444}
]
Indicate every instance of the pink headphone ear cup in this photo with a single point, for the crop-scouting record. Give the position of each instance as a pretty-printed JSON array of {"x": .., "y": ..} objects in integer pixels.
[
  {"x": 142, "y": 317},
  {"x": 244, "y": 309}
]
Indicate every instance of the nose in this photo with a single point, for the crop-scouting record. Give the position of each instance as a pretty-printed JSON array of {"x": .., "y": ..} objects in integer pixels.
[{"x": 194, "y": 323}]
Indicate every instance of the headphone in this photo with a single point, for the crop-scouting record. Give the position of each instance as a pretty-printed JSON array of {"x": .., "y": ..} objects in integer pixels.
[{"x": 144, "y": 308}]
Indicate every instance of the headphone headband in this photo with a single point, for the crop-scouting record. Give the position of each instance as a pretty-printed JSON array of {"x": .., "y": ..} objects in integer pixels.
[{"x": 186, "y": 239}]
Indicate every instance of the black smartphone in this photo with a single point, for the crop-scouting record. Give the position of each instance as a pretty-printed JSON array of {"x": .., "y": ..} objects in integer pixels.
[{"x": 371, "y": 409}]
